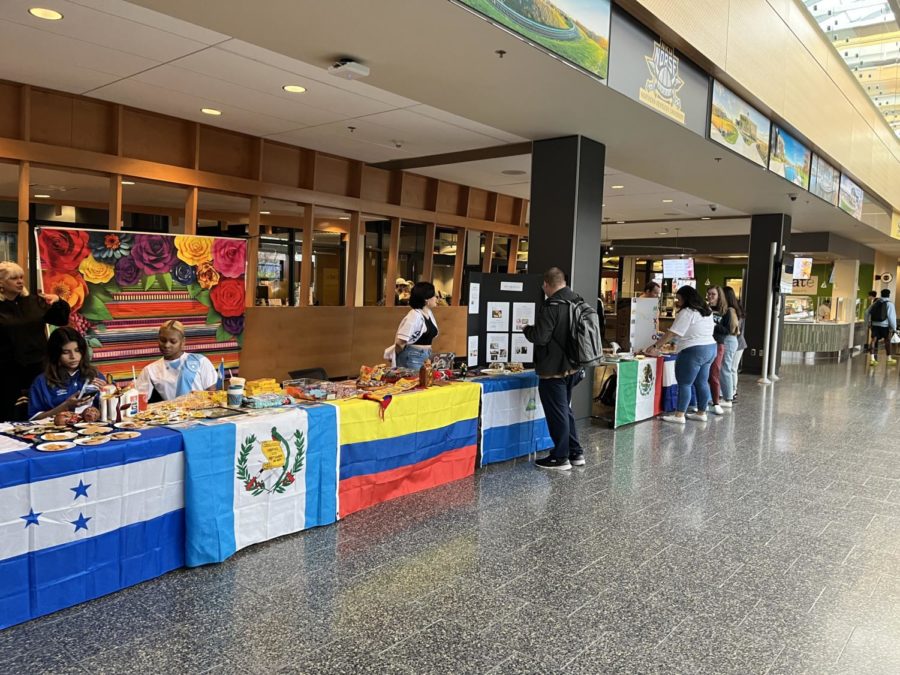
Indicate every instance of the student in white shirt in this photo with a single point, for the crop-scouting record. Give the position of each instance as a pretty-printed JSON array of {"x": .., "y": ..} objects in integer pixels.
[
  {"x": 178, "y": 372},
  {"x": 692, "y": 331}
]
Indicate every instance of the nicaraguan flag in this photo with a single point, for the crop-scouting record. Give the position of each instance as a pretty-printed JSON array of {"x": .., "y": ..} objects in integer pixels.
[
  {"x": 82, "y": 523},
  {"x": 512, "y": 418},
  {"x": 259, "y": 477}
]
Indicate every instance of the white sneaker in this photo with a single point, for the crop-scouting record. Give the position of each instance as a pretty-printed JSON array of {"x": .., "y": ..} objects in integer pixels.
[
  {"x": 693, "y": 408},
  {"x": 697, "y": 417},
  {"x": 675, "y": 419},
  {"x": 726, "y": 404},
  {"x": 716, "y": 410}
]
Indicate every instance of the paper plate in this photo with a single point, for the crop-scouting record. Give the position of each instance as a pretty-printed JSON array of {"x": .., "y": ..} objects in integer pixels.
[
  {"x": 95, "y": 430},
  {"x": 124, "y": 435},
  {"x": 55, "y": 447},
  {"x": 92, "y": 440},
  {"x": 57, "y": 436}
]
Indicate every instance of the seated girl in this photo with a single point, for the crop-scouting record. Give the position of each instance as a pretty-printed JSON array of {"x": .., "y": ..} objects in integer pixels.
[
  {"x": 178, "y": 372},
  {"x": 60, "y": 387}
]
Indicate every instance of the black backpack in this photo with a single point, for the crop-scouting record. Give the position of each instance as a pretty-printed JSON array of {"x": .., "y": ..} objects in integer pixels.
[
  {"x": 584, "y": 346},
  {"x": 607, "y": 395},
  {"x": 879, "y": 310}
]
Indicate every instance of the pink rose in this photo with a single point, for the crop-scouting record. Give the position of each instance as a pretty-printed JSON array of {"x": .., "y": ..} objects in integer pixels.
[{"x": 230, "y": 257}]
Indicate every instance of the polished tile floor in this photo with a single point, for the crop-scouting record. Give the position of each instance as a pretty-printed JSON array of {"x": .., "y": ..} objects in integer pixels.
[{"x": 764, "y": 541}]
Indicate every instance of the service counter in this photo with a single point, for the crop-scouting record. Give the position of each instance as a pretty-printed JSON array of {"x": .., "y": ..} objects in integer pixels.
[{"x": 815, "y": 340}]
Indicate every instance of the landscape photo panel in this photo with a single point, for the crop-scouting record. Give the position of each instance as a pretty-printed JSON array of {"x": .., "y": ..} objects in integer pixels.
[{"x": 738, "y": 126}]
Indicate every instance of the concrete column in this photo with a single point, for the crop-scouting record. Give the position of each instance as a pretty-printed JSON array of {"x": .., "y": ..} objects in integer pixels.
[{"x": 885, "y": 264}]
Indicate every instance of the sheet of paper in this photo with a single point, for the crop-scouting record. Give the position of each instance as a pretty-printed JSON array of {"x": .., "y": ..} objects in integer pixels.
[
  {"x": 514, "y": 286},
  {"x": 8, "y": 444},
  {"x": 522, "y": 349},
  {"x": 497, "y": 316},
  {"x": 498, "y": 347},
  {"x": 522, "y": 315},
  {"x": 474, "y": 297},
  {"x": 473, "y": 351}
]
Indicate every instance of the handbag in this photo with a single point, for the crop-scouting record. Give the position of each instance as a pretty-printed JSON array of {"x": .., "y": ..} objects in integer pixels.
[{"x": 895, "y": 338}]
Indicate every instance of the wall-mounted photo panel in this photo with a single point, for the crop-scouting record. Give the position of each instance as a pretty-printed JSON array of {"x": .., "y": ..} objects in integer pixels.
[
  {"x": 738, "y": 126},
  {"x": 650, "y": 72},
  {"x": 789, "y": 158},
  {"x": 576, "y": 30},
  {"x": 824, "y": 181},
  {"x": 852, "y": 197}
]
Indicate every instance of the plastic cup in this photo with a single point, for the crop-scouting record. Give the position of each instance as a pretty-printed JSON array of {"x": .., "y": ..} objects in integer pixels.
[{"x": 143, "y": 401}]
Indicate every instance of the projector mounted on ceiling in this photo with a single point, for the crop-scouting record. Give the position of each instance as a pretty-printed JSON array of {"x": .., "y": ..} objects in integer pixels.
[{"x": 349, "y": 69}]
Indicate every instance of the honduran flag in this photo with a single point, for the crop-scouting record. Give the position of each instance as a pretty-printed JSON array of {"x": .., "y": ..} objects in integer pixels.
[
  {"x": 85, "y": 522},
  {"x": 258, "y": 477},
  {"x": 426, "y": 438},
  {"x": 512, "y": 417},
  {"x": 638, "y": 390}
]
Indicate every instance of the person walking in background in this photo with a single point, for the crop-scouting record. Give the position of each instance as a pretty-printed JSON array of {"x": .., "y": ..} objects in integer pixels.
[
  {"x": 882, "y": 318},
  {"x": 550, "y": 335},
  {"x": 716, "y": 300},
  {"x": 692, "y": 331},
  {"x": 732, "y": 322},
  {"x": 735, "y": 304},
  {"x": 870, "y": 298}
]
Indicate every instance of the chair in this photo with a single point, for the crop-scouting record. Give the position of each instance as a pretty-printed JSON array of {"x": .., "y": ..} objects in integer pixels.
[{"x": 309, "y": 374}]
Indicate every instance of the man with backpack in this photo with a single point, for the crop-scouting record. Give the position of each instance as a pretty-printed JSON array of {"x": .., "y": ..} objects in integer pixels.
[
  {"x": 566, "y": 338},
  {"x": 882, "y": 318}
]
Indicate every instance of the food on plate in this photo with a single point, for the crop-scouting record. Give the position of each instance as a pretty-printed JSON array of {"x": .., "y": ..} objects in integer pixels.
[
  {"x": 92, "y": 440},
  {"x": 94, "y": 431},
  {"x": 123, "y": 435},
  {"x": 64, "y": 418},
  {"x": 55, "y": 447},
  {"x": 59, "y": 436},
  {"x": 90, "y": 415}
]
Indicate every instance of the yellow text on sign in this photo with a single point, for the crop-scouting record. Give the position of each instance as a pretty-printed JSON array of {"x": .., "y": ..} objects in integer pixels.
[{"x": 274, "y": 455}]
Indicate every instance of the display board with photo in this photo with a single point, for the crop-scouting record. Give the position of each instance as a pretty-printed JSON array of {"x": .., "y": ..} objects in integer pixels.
[
  {"x": 738, "y": 126},
  {"x": 789, "y": 158},
  {"x": 824, "y": 181},
  {"x": 852, "y": 197},
  {"x": 576, "y": 30}
]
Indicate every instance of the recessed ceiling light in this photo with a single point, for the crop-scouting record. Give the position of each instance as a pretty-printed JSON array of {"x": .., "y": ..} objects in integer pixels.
[
  {"x": 127, "y": 182},
  {"x": 620, "y": 222},
  {"x": 47, "y": 14},
  {"x": 264, "y": 213},
  {"x": 211, "y": 111},
  {"x": 662, "y": 233},
  {"x": 616, "y": 187},
  {"x": 604, "y": 205},
  {"x": 42, "y": 196},
  {"x": 294, "y": 88},
  {"x": 343, "y": 217},
  {"x": 513, "y": 172},
  {"x": 667, "y": 201},
  {"x": 705, "y": 218}
]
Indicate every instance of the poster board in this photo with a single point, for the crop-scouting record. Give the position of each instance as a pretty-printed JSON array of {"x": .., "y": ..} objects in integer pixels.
[{"x": 506, "y": 303}]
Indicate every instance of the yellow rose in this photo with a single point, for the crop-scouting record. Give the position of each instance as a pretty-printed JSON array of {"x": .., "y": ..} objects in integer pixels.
[
  {"x": 194, "y": 250},
  {"x": 96, "y": 272},
  {"x": 207, "y": 275}
]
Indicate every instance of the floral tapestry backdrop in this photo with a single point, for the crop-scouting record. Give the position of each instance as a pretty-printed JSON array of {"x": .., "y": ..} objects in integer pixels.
[{"x": 123, "y": 285}]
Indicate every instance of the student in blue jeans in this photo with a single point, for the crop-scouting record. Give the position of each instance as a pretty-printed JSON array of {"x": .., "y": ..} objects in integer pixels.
[{"x": 692, "y": 331}]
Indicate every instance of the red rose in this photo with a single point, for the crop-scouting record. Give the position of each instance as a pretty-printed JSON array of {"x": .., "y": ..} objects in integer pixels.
[
  {"x": 228, "y": 297},
  {"x": 63, "y": 250}
]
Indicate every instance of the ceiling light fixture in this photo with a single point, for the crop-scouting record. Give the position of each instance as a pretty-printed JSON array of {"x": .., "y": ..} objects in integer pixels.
[
  {"x": 343, "y": 217},
  {"x": 42, "y": 196},
  {"x": 667, "y": 201},
  {"x": 264, "y": 213},
  {"x": 513, "y": 172},
  {"x": 705, "y": 218},
  {"x": 616, "y": 187},
  {"x": 127, "y": 182},
  {"x": 294, "y": 88},
  {"x": 211, "y": 111},
  {"x": 620, "y": 222},
  {"x": 46, "y": 14}
]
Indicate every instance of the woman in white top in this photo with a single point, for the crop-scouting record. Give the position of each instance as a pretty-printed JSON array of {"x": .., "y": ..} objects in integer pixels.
[
  {"x": 412, "y": 344},
  {"x": 178, "y": 372},
  {"x": 692, "y": 331}
]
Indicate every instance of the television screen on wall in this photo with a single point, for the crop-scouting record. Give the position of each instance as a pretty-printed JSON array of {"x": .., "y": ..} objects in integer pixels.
[
  {"x": 576, "y": 30},
  {"x": 824, "y": 181},
  {"x": 852, "y": 197},
  {"x": 789, "y": 158},
  {"x": 738, "y": 126},
  {"x": 678, "y": 268},
  {"x": 802, "y": 268}
]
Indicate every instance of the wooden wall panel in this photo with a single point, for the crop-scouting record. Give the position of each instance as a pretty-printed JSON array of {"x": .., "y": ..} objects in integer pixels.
[
  {"x": 339, "y": 339},
  {"x": 10, "y": 110},
  {"x": 478, "y": 203},
  {"x": 93, "y": 126},
  {"x": 700, "y": 22},
  {"x": 227, "y": 152},
  {"x": 756, "y": 50},
  {"x": 376, "y": 184},
  {"x": 333, "y": 174},
  {"x": 281, "y": 164},
  {"x": 157, "y": 138},
  {"x": 505, "y": 209},
  {"x": 448, "y": 197},
  {"x": 415, "y": 191},
  {"x": 51, "y": 118}
]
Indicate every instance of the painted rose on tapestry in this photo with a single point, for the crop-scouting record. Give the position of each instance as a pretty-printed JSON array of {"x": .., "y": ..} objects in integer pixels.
[{"x": 123, "y": 285}]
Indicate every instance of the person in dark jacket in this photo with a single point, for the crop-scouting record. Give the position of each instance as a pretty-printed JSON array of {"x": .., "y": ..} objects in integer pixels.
[
  {"x": 23, "y": 335},
  {"x": 558, "y": 376}
]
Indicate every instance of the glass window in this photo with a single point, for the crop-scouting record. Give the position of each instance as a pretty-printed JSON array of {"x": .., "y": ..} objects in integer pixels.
[
  {"x": 329, "y": 269},
  {"x": 445, "y": 250},
  {"x": 377, "y": 244},
  {"x": 412, "y": 251},
  {"x": 274, "y": 272}
]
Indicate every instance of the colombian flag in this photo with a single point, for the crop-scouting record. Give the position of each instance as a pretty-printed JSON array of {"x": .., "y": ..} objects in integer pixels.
[{"x": 427, "y": 438}]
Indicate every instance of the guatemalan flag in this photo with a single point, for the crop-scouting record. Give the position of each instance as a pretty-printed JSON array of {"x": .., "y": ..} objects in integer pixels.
[
  {"x": 259, "y": 477},
  {"x": 85, "y": 522},
  {"x": 512, "y": 418}
]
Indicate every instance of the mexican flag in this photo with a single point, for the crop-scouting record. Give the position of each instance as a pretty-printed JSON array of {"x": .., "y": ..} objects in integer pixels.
[{"x": 638, "y": 390}]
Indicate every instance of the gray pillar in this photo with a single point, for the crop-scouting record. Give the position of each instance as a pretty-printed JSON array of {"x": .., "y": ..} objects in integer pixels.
[
  {"x": 566, "y": 214},
  {"x": 764, "y": 229}
]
